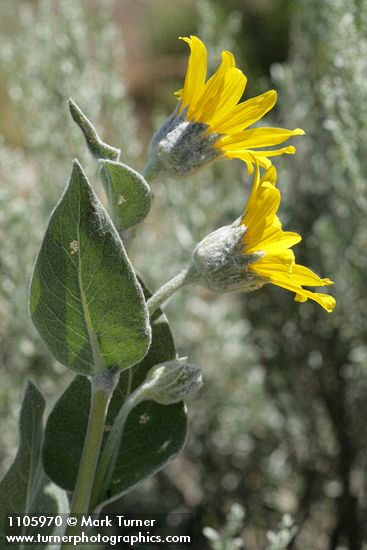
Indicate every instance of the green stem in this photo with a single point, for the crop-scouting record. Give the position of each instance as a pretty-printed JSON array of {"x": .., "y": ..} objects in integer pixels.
[
  {"x": 167, "y": 290},
  {"x": 152, "y": 169},
  {"x": 129, "y": 383},
  {"x": 108, "y": 459},
  {"x": 102, "y": 385}
]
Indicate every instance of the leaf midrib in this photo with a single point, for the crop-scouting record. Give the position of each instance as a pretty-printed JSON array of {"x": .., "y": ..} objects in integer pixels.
[{"x": 99, "y": 363}]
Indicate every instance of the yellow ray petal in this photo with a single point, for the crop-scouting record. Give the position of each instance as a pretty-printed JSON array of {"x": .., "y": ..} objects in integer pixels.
[
  {"x": 279, "y": 264},
  {"x": 250, "y": 158},
  {"x": 260, "y": 188},
  {"x": 325, "y": 300},
  {"x": 290, "y": 150},
  {"x": 214, "y": 87},
  {"x": 234, "y": 86},
  {"x": 270, "y": 175},
  {"x": 258, "y": 137},
  {"x": 274, "y": 238},
  {"x": 245, "y": 113},
  {"x": 196, "y": 73},
  {"x": 253, "y": 195},
  {"x": 287, "y": 282},
  {"x": 254, "y": 237},
  {"x": 300, "y": 298},
  {"x": 306, "y": 277},
  {"x": 262, "y": 215},
  {"x": 260, "y": 157}
]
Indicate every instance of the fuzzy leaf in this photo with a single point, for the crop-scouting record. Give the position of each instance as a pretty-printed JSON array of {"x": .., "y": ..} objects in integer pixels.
[
  {"x": 25, "y": 489},
  {"x": 85, "y": 299},
  {"x": 128, "y": 194},
  {"x": 49, "y": 500},
  {"x": 17, "y": 487},
  {"x": 154, "y": 433},
  {"x": 96, "y": 146}
]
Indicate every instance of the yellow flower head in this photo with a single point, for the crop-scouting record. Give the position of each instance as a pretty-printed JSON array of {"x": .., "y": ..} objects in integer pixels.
[
  {"x": 210, "y": 123},
  {"x": 264, "y": 234},
  {"x": 255, "y": 250}
]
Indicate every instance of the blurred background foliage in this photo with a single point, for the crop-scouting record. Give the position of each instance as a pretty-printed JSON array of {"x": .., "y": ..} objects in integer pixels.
[{"x": 279, "y": 429}]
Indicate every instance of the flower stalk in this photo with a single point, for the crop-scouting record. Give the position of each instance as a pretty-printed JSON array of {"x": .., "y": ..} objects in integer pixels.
[{"x": 186, "y": 276}]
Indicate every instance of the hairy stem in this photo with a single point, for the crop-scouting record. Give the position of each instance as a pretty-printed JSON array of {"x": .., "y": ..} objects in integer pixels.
[
  {"x": 110, "y": 452},
  {"x": 103, "y": 385},
  {"x": 152, "y": 169},
  {"x": 167, "y": 290}
]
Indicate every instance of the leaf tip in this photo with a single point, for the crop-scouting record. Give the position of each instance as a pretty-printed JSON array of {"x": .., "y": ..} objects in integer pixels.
[
  {"x": 78, "y": 179},
  {"x": 75, "y": 112},
  {"x": 32, "y": 391},
  {"x": 77, "y": 165},
  {"x": 77, "y": 169},
  {"x": 30, "y": 384}
]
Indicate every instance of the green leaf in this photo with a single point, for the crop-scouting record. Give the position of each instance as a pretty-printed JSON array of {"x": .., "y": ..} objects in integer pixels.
[
  {"x": 154, "y": 433},
  {"x": 85, "y": 299},
  {"x": 128, "y": 194},
  {"x": 17, "y": 487},
  {"x": 49, "y": 500},
  {"x": 25, "y": 488},
  {"x": 96, "y": 146},
  {"x": 127, "y": 191}
]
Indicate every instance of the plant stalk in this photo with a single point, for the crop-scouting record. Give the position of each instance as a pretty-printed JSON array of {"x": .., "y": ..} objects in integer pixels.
[
  {"x": 108, "y": 459},
  {"x": 167, "y": 290},
  {"x": 152, "y": 169},
  {"x": 102, "y": 385}
]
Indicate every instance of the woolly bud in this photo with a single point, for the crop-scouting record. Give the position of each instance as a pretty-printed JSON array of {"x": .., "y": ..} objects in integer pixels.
[{"x": 172, "y": 381}]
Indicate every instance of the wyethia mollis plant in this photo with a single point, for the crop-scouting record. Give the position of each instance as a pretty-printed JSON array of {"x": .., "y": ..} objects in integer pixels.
[{"x": 97, "y": 317}]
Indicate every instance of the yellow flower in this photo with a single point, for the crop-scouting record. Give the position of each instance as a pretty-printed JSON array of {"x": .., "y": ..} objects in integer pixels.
[
  {"x": 255, "y": 250},
  {"x": 264, "y": 234},
  {"x": 216, "y": 103},
  {"x": 210, "y": 123}
]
